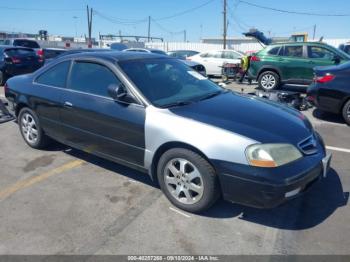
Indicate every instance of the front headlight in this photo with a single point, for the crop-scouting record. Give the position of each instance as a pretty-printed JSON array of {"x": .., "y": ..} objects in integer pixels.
[{"x": 271, "y": 155}]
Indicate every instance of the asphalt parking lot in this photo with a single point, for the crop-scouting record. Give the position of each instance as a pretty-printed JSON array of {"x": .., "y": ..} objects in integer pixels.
[{"x": 63, "y": 201}]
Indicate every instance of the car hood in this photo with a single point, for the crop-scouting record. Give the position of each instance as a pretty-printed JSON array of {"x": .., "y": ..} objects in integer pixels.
[{"x": 252, "y": 117}]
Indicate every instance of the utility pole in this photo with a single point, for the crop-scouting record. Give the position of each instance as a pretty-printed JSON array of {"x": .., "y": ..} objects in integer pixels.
[
  {"x": 120, "y": 36},
  {"x": 314, "y": 34},
  {"x": 149, "y": 28},
  {"x": 185, "y": 36},
  {"x": 89, "y": 20},
  {"x": 75, "y": 25},
  {"x": 225, "y": 23}
]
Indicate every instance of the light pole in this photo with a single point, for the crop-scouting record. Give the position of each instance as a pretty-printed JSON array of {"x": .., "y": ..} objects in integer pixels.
[{"x": 75, "y": 25}]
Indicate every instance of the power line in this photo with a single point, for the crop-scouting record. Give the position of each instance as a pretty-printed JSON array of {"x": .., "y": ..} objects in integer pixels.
[
  {"x": 166, "y": 30},
  {"x": 291, "y": 12},
  {"x": 245, "y": 27},
  {"x": 185, "y": 11},
  {"x": 120, "y": 21}
]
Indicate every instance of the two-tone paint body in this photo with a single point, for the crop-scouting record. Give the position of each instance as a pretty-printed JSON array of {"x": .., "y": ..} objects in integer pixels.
[{"x": 136, "y": 134}]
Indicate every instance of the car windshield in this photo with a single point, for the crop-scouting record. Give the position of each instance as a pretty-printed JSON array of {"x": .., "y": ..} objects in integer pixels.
[{"x": 168, "y": 82}]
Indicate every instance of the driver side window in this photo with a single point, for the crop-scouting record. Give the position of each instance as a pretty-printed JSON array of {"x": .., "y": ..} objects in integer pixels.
[{"x": 91, "y": 78}]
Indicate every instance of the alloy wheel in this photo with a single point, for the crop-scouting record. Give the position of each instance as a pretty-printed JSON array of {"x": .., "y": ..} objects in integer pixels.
[
  {"x": 184, "y": 181},
  {"x": 268, "y": 81},
  {"x": 29, "y": 128}
]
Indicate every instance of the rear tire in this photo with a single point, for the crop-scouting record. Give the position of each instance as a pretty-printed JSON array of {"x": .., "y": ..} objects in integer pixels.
[
  {"x": 269, "y": 80},
  {"x": 187, "y": 180},
  {"x": 346, "y": 112},
  {"x": 31, "y": 130}
]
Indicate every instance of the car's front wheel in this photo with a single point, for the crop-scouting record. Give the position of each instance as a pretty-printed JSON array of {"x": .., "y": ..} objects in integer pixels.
[
  {"x": 346, "y": 112},
  {"x": 269, "y": 80},
  {"x": 187, "y": 180},
  {"x": 31, "y": 130}
]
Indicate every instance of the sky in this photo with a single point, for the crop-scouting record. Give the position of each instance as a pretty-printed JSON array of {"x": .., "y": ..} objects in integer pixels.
[{"x": 68, "y": 17}]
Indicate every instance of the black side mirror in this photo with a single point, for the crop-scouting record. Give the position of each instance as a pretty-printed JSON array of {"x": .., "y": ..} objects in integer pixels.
[{"x": 119, "y": 93}]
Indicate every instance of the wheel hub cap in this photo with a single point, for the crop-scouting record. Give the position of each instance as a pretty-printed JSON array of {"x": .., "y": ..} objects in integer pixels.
[
  {"x": 183, "y": 181},
  {"x": 29, "y": 128},
  {"x": 268, "y": 81}
]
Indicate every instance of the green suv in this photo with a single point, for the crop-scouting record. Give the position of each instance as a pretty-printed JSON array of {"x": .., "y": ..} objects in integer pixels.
[{"x": 292, "y": 63}]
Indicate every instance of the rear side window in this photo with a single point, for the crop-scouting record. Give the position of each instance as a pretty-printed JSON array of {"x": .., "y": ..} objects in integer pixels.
[
  {"x": 317, "y": 52},
  {"x": 91, "y": 78},
  {"x": 274, "y": 50},
  {"x": 293, "y": 51},
  {"x": 55, "y": 76},
  {"x": 230, "y": 55},
  {"x": 19, "y": 52},
  {"x": 26, "y": 43}
]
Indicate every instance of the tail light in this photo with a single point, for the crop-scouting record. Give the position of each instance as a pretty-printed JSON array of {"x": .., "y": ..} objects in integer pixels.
[
  {"x": 324, "y": 79},
  {"x": 188, "y": 58},
  {"x": 40, "y": 54},
  {"x": 255, "y": 59},
  {"x": 15, "y": 60}
]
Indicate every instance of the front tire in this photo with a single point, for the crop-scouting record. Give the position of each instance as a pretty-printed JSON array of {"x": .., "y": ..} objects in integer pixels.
[
  {"x": 269, "y": 80},
  {"x": 346, "y": 112},
  {"x": 31, "y": 130},
  {"x": 187, "y": 180}
]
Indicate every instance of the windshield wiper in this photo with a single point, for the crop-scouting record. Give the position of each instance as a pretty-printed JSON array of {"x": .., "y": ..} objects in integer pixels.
[
  {"x": 177, "y": 103},
  {"x": 210, "y": 95}
]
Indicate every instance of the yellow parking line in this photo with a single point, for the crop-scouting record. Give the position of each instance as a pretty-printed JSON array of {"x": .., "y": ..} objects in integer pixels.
[{"x": 33, "y": 180}]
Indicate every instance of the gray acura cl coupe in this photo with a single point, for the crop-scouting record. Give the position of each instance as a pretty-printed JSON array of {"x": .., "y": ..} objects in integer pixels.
[{"x": 155, "y": 114}]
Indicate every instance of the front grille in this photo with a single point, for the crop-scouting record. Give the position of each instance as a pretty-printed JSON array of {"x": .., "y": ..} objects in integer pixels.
[{"x": 309, "y": 145}]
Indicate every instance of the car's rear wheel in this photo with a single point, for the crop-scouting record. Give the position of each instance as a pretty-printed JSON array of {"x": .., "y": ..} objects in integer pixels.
[
  {"x": 346, "y": 112},
  {"x": 31, "y": 130},
  {"x": 187, "y": 180},
  {"x": 269, "y": 80}
]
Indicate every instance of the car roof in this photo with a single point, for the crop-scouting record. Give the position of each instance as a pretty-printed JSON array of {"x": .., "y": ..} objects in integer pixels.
[
  {"x": 115, "y": 55},
  {"x": 298, "y": 43}
]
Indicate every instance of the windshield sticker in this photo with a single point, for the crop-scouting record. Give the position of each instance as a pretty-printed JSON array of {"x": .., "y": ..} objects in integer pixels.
[{"x": 197, "y": 75}]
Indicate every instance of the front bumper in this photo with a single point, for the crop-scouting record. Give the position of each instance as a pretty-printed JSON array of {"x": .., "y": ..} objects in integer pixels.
[{"x": 270, "y": 187}]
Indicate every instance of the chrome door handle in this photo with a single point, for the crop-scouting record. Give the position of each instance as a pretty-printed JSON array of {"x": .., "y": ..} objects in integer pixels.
[{"x": 67, "y": 104}]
